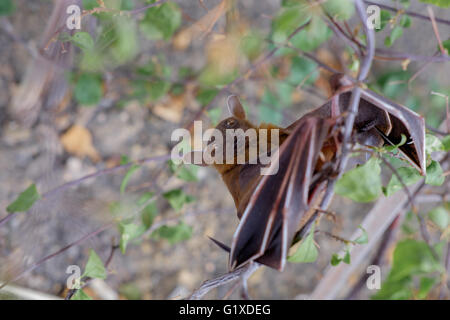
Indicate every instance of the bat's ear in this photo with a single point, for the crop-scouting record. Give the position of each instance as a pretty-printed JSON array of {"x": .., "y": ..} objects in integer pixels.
[
  {"x": 195, "y": 157},
  {"x": 235, "y": 107}
]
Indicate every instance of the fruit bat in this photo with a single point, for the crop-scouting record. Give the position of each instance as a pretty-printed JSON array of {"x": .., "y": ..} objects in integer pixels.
[{"x": 272, "y": 208}]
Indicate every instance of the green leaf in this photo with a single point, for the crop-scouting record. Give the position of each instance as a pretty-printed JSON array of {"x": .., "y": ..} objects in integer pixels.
[
  {"x": 432, "y": 144},
  {"x": 177, "y": 198},
  {"x": 252, "y": 45},
  {"x": 284, "y": 93},
  {"x": 346, "y": 258},
  {"x": 395, "y": 147},
  {"x": 435, "y": 174},
  {"x": 88, "y": 89},
  {"x": 364, "y": 238},
  {"x": 126, "y": 44},
  {"x": 80, "y": 295},
  {"x": 340, "y": 9},
  {"x": 268, "y": 114},
  {"x": 288, "y": 20},
  {"x": 90, "y": 4},
  {"x": 302, "y": 71},
  {"x": 25, "y": 200},
  {"x": 307, "y": 251},
  {"x": 385, "y": 17},
  {"x": 206, "y": 95},
  {"x": 335, "y": 259},
  {"x": 83, "y": 40},
  {"x": 439, "y": 216},
  {"x": 439, "y": 3},
  {"x": 94, "y": 267},
  {"x": 161, "y": 22},
  {"x": 185, "y": 172},
  {"x": 150, "y": 211},
  {"x": 6, "y": 7},
  {"x": 409, "y": 176},
  {"x": 393, "y": 83},
  {"x": 127, "y": 177},
  {"x": 411, "y": 258},
  {"x": 175, "y": 234},
  {"x": 130, "y": 291},
  {"x": 310, "y": 38},
  {"x": 396, "y": 33},
  {"x": 425, "y": 286},
  {"x": 361, "y": 184},
  {"x": 129, "y": 232},
  {"x": 446, "y": 45},
  {"x": 405, "y": 21},
  {"x": 446, "y": 143}
]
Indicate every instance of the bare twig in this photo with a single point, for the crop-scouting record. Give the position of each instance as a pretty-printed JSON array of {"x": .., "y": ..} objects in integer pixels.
[
  {"x": 91, "y": 176},
  {"x": 356, "y": 92},
  {"x": 410, "y": 13},
  {"x": 435, "y": 29},
  {"x": 40, "y": 262}
]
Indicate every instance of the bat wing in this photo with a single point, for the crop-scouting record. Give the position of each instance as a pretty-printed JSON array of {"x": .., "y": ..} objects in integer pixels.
[
  {"x": 404, "y": 121},
  {"x": 381, "y": 121},
  {"x": 279, "y": 201}
]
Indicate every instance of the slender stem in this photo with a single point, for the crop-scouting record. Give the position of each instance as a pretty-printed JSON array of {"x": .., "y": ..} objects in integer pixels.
[
  {"x": 96, "y": 174},
  {"x": 40, "y": 262},
  {"x": 410, "y": 13},
  {"x": 139, "y": 10}
]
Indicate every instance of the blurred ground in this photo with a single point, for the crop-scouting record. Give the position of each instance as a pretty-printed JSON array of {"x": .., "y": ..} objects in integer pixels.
[{"x": 154, "y": 268}]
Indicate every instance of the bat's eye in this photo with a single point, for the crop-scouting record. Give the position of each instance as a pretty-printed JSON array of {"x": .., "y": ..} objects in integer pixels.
[{"x": 230, "y": 123}]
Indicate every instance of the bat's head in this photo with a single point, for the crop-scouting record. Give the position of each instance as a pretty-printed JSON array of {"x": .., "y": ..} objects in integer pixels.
[
  {"x": 238, "y": 119},
  {"x": 233, "y": 128}
]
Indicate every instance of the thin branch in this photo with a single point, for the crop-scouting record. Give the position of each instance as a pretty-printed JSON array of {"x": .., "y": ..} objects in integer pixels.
[
  {"x": 40, "y": 262},
  {"x": 410, "y": 13},
  {"x": 356, "y": 92},
  {"x": 435, "y": 29},
  {"x": 96, "y": 174},
  {"x": 139, "y": 10}
]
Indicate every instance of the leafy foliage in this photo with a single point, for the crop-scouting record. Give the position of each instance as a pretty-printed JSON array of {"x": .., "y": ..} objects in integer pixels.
[
  {"x": 174, "y": 234},
  {"x": 361, "y": 184},
  {"x": 88, "y": 89},
  {"x": 161, "y": 22},
  {"x": 439, "y": 3},
  {"x": 25, "y": 200},
  {"x": 6, "y": 7},
  {"x": 94, "y": 267},
  {"x": 412, "y": 259},
  {"x": 307, "y": 251}
]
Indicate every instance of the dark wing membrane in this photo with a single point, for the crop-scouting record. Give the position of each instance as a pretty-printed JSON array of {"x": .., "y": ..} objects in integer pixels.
[
  {"x": 375, "y": 114},
  {"x": 276, "y": 206},
  {"x": 404, "y": 121}
]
